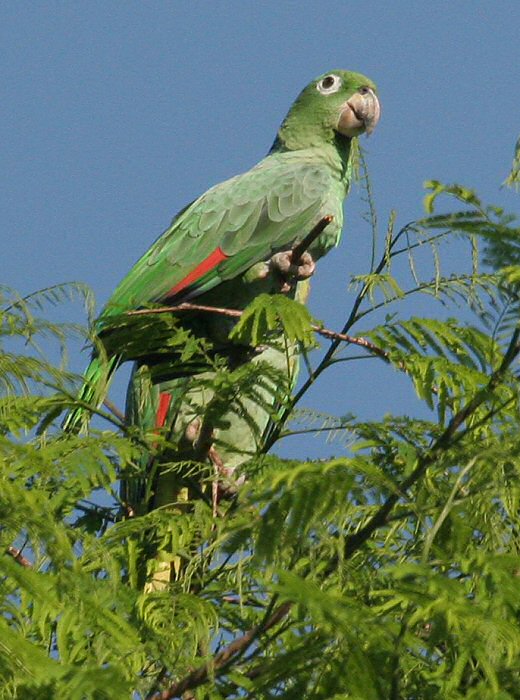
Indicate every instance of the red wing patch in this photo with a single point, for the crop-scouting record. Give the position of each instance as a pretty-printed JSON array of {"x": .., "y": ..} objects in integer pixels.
[
  {"x": 162, "y": 412},
  {"x": 213, "y": 259}
]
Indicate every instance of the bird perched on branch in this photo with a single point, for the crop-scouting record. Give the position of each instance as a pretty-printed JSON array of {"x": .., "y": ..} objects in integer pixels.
[{"x": 234, "y": 242}]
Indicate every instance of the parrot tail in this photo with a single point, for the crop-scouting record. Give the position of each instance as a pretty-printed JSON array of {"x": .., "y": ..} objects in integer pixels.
[{"x": 96, "y": 382}]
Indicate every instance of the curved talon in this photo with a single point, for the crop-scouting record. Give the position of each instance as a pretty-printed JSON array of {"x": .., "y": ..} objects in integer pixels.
[{"x": 283, "y": 264}]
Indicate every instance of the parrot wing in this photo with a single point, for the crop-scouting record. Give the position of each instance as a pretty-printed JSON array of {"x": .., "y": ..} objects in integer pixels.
[{"x": 228, "y": 229}]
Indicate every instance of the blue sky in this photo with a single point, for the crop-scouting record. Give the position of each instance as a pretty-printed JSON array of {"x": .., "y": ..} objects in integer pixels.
[{"x": 116, "y": 114}]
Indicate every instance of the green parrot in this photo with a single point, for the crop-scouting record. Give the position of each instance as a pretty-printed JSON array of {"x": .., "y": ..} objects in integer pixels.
[
  {"x": 253, "y": 218},
  {"x": 232, "y": 243}
]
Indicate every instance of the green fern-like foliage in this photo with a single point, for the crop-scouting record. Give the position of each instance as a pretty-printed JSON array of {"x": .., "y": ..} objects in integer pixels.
[
  {"x": 513, "y": 179},
  {"x": 386, "y": 569},
  {"x": 268, "y": 314}
]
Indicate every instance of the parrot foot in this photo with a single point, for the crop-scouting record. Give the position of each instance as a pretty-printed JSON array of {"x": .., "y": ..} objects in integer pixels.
[
  {"x": 225, "y": 486},
  {"x": 284, "y": 265},
  {"x": 192, "y": 430}
]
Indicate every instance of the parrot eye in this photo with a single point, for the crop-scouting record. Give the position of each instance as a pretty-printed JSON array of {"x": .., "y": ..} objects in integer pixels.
[{"x": 329, "y": 84}]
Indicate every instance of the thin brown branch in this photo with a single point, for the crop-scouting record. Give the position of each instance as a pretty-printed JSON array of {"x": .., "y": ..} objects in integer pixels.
[
  {"x": 114, "y": 410},
  {"x": 309, "y": 239},
  {"x": 19, "y": 557},
  {"x": 185, "y": 306},
  {"x": 353, "y": 340},
  {"x": 236, "y": 313},
  {"x": 237, "y": 647}
]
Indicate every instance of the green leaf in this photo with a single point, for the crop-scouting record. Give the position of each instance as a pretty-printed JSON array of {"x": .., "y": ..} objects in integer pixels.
[{"x": 268, "y": 316}]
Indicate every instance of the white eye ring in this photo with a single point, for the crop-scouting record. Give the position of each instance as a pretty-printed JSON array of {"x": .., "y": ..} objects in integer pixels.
[{"x": 329, "y": 84}]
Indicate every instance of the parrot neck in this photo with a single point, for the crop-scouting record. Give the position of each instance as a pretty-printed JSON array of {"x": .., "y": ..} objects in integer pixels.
[
  {"x": 343, "y": 148},
  {"x": 335, "y": 152}
]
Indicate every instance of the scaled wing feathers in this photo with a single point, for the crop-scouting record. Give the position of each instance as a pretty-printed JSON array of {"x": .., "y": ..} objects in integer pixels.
[{"x": 246, "y": 218}]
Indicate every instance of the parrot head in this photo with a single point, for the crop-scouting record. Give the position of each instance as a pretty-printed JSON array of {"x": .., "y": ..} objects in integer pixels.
[{"x": 337, "y": 103}]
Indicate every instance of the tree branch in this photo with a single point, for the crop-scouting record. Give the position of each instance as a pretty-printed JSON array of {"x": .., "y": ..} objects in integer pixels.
[
  {"x": 114, "y": 410},
  {"x": 235, "y": 648},
  {"x": 309, "y": 239},
  {"x": 236, "y": 313},
  {"x": 19, "y": 557}
]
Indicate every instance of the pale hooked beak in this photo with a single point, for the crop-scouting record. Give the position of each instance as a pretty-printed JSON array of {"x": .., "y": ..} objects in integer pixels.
[{"x": 360, "y": 113}]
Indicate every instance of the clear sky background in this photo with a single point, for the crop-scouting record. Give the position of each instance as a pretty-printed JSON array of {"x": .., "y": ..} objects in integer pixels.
[{"x": 114, "y": 115}]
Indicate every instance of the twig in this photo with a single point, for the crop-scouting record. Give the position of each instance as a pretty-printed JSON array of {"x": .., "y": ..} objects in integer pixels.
[
  {"x": 114, "y": 410},
  {"x": 236, "y": 313},
  {"x": 309, "y": 239},
  {"x": 19, "y": 557},
  {"x": 236, "y": 600},
  {"x": 354, "y": 340},
  {"x": 238, "y": 646},
  {"x": 185, "y": 306}
]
